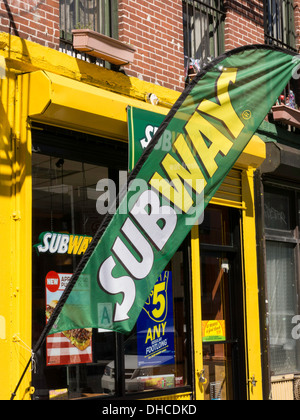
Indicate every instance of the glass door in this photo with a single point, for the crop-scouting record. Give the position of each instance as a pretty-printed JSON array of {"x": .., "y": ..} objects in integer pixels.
[{"x": 223, "y": 375}]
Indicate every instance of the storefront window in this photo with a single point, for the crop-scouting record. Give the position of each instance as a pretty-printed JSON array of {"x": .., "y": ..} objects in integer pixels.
[
  {"x": 282, "y": 292},
  {"x": 95, "y": 362},
  {"x": 277, "y": 210},
  {"x": 298, "y": 210},
  {"x": 215, "y": 305},
  {"x": 282, "y": 247},
  {"x": 222, "y": 305},
  {"x": 215, "y": 229},
  {"x": 64, "y": 221},
  {"x": 156, "y": 353}
]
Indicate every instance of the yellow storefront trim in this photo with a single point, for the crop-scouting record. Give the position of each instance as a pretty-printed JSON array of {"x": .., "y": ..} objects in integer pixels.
[
  {"x": 197, "y": 312},
  {"x": 26, "y": 57},
  {"x": 59, "y": 101},
  {"x": 15, "y": 247},
  {"x": 222, "y": 202},
  {"x": 7, "y": 232},
  {"x": 253, "y": 155},
  {"x": 186, "y": 396},
  {"x": 251, "y": 292}
]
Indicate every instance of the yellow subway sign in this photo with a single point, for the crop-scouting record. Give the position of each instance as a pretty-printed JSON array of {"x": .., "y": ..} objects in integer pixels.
[{"x": 208, "y": 129}]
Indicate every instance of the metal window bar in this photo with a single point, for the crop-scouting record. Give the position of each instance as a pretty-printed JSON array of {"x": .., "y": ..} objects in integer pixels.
[
  {"x": 279, "y": 24},
  {"x": 203, "y": 30},
  {"x": 98, "y": 15}
]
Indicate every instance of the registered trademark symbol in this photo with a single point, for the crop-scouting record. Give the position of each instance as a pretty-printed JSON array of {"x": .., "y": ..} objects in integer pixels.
[{"x": 247, "y": 115}]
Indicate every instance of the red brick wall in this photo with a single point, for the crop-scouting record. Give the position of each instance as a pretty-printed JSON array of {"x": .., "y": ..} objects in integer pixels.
[
  {"x": 244, "y": 23},
  {"x": 155, "y": 29},
  {"x": 36, "y": 20},
  {"x": 297, "y": 22}
]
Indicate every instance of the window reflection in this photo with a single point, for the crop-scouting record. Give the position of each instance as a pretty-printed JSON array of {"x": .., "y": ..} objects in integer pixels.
[
  {"x": 215, "y": 229},
  {"x": 282, "y": 302},
  {"x": 64, "y": 205},
  {"x": 282, "y": 268},
  {"x": 277, "y": 210},
  {"x": 155, "y": 353}
]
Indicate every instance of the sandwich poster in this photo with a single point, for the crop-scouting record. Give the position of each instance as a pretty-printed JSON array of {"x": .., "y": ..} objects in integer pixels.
[
  {"x": 155, "y": 326},
  {"x": 68, "y": 347}
]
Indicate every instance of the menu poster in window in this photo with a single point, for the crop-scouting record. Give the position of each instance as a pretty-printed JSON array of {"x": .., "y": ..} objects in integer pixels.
[
  {"x": 155, "y": 325},
  {"x": 69, "y": 347}
]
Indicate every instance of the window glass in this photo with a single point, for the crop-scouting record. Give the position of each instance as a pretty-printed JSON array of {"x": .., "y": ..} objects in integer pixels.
[
  {"x": 215, "y": 229},
  {"x": 277, "y": 210},
  {"x": 203, "y": 31},
  {"x": 279, "y": 23},
  {"x": 282, "y": 303},
  {"x": 298, "y": 216},
  {"x": 156, "y": 352},
  {"x": 217, "y": 360},
  {"x": 97, "y": 15},
  {"x": 65, "y": 219},
  {"x": 83, "y": 363}
]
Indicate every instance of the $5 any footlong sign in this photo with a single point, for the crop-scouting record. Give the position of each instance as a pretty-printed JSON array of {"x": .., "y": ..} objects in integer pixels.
[{"x": 211, "y": 124}]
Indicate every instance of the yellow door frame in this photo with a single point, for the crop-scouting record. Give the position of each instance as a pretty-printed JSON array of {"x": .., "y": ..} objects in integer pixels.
[
  {"x": 197, "y": 312},
  {"x": 251, "y": 290},
  {"x": 251, "y": 298},
  {"x": 15, "y": 247}
]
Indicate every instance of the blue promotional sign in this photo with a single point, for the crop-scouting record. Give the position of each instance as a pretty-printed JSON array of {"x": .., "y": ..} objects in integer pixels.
[{"x": 155, "y": 325}]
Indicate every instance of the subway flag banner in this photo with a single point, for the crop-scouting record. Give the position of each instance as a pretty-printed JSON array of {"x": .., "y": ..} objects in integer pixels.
[{"x": 167, "y": 192}]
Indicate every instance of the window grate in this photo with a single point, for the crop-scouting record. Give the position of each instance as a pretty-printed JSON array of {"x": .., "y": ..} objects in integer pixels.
[
  {"x": 204, "y": 23},
  {"x": 279, "y": 24},
  {"x": 99, "y": 15}
]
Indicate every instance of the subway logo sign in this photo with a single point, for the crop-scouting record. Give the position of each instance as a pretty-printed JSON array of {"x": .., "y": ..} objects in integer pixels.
[{"x": 62, "y": 243}]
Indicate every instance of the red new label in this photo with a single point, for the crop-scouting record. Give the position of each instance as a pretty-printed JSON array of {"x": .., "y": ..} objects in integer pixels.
[{"x": 52, "y": 281}]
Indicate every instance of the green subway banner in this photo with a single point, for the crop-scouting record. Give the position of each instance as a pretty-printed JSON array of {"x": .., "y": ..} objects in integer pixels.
[
  {"x": 168, "y": 189},
  {"x": 142, "y": 126}
]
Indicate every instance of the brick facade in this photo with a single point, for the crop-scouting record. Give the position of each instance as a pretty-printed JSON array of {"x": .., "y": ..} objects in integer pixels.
[
  {"x": 244, "y": 23},
  {"x": 34, "y": 20},
  {"x": 297, "y": 22},
  {"x": 155, "y": 28}
]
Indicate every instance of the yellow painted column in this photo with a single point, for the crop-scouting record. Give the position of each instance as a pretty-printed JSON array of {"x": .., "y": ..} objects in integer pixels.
[
  {"x": 23, "y": 235},
  {"x": 251, "y": 298},
  {"x": 15, "y": 244},
  {"x": 7, "y": 239},
  {"x": 197, "y": 312}
]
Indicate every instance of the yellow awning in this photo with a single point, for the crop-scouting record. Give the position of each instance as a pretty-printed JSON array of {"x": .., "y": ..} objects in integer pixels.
[{"x": 63, "y": 102}]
